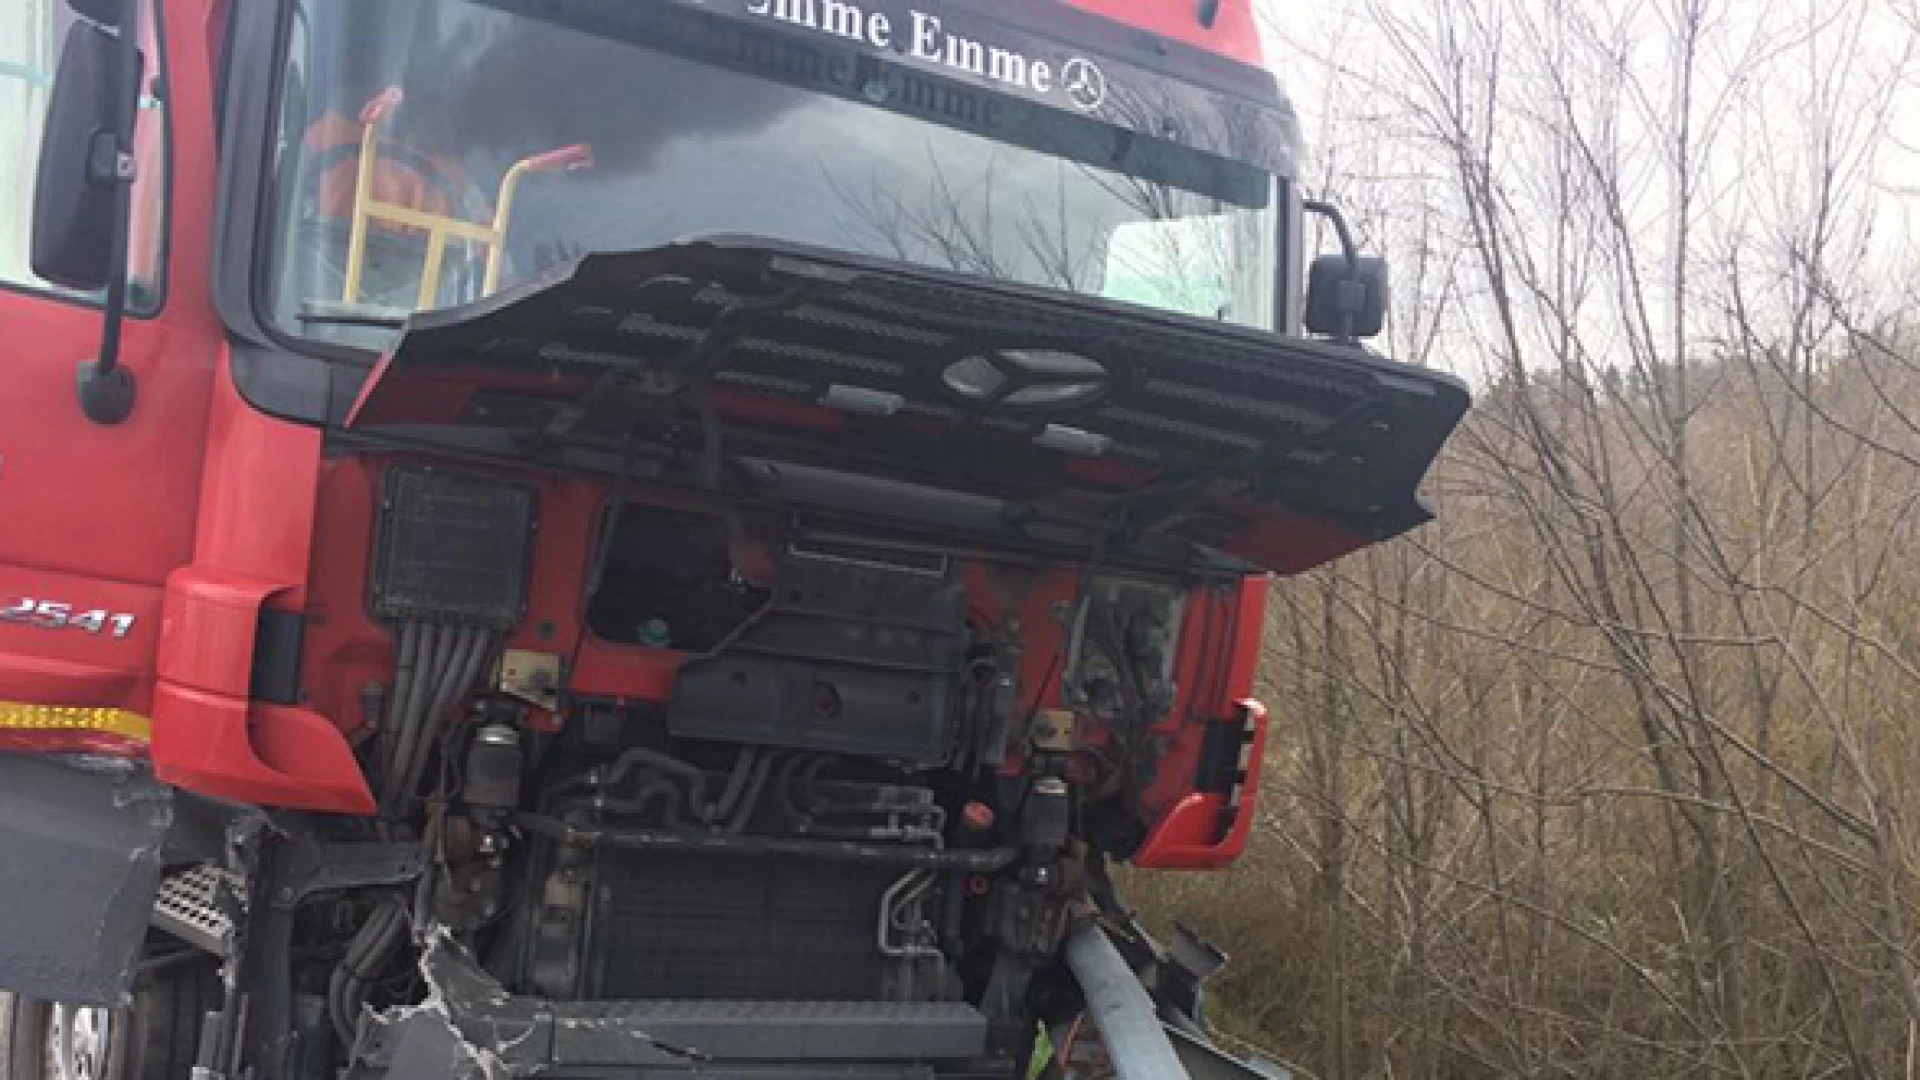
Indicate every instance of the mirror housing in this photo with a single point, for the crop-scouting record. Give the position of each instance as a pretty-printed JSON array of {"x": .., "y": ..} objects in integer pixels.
[
  {"x": 82, "y": 171},
  {"x": 1347, "y": 297}
]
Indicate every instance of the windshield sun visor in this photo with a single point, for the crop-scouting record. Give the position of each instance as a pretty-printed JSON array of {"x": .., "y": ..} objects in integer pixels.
[{"x": 1123, "y": 426}]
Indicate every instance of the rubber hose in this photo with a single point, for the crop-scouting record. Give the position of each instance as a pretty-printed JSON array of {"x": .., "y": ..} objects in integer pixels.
[
  {"x": 1120, "y": 1008},
  {"x": 809, "y": 776},
  {"x": 436, "y": 649},
  {"x": 447, "y": 687},
  {"x": 664, "y": 791},
  {"x": 625, "y": 763},
  {"x": 473, "y": 675},
  {"x": 660, "y": 790},
  {"x": 406, "y": 657},
  {"x": 783, "y": 790},
  {"x": 476, "y": 670},
  {"x": 470, "y": 679},
  {"x": 425, "y": 638},
  {"x": 751, "y": 798},
  {"x": 743, "y": 768},
  {"x": 640, "y": 755},
  {"x": 468, "y": 661},
  {"x": 366, "y": 954},
  {"x": 436, "y": 646}
]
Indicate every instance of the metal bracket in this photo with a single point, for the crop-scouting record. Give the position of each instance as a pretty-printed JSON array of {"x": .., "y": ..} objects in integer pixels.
[
  {"x": 532, "y": 677},
  {"x": 1053, "y": 731}
]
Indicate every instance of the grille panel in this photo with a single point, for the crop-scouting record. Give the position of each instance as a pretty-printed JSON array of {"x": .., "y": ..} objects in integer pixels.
[
  {"x": 452, "y": 548},
  {"x": 703, "y": 928}
]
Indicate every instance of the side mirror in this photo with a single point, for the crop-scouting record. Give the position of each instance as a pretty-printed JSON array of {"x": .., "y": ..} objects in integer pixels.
[
  {"x": 1346, "y": 297},
  {"x": 83, "y": 171}
]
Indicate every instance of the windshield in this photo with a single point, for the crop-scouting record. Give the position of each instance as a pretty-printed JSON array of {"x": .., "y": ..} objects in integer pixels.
[{"x": 435, "y": 151}]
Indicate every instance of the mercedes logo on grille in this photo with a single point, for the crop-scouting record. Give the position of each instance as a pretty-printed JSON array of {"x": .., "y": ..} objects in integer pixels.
[{"x": 1085, "y": 83}]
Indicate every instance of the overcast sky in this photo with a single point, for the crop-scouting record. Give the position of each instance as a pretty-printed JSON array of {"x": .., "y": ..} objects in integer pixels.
[
  {"x": 1303, "y": 34},
  {"x": 1777, "y": 68}
]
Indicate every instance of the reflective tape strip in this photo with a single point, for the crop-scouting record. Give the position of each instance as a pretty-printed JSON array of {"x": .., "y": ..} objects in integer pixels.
[{"x": 19, "y": 718}]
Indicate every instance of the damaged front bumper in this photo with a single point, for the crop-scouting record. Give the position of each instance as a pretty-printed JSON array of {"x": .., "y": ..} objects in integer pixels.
[
  {"x": 469, "y": 1028},
  {"x": 85, "y": 842}
]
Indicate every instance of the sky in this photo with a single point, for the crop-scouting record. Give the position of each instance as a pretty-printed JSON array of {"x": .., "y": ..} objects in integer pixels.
[
  {"x": 1301, "y": 35},
  {"x": 1774, "y": 76}
]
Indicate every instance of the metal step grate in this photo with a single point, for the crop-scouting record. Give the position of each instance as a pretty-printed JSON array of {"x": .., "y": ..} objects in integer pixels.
[{"x": 188, "y": 907}]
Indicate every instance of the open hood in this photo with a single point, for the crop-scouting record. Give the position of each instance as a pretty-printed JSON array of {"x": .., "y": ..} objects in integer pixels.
[{"x": 856, "y": 386}]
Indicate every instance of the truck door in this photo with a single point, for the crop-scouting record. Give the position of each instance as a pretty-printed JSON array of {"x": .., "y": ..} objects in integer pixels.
[{"x": 94, "y": 516}]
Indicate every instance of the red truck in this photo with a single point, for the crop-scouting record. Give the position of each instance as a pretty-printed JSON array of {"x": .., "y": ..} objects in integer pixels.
[{"x": 649, "y": 538}]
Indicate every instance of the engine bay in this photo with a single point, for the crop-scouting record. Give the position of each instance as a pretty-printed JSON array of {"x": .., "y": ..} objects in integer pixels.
[
  {"x": 754, "y": 757},
  {"x": 816, "y": 631}
]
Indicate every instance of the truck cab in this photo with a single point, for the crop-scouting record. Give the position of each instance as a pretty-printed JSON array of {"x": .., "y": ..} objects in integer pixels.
[{"x": 651, "y": 538}]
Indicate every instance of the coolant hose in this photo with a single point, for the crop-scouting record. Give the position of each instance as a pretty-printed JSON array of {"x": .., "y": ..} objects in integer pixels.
[{"x": 1120, "y": 1008}]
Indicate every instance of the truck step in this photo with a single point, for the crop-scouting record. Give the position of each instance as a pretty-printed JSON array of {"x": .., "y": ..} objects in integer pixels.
[{"x": 188, "y": 907}]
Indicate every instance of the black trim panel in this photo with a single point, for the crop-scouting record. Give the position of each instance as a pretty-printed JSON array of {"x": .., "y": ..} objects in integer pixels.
[
  {"x": 277, "y": 643},
  {"x": 83, "y": 865}
]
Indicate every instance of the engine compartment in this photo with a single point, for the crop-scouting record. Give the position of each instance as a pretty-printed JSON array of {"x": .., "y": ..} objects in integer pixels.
[{"x": 664, "y": 751}]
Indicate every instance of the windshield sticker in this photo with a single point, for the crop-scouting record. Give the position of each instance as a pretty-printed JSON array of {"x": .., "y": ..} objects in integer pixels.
[
  {"x": 929, "y": 38},
  {"x": 967, "y": 70}
]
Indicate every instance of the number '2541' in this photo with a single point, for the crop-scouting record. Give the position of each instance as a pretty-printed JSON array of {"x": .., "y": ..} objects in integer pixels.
[{"x": 53, "y": 615}]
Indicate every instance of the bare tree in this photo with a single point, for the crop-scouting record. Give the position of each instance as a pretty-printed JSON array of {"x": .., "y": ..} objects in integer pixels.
[{"x": 1612, "y": 771}]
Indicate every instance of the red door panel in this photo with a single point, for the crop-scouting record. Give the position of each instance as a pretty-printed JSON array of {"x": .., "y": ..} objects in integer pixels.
[{"x": 94, "y": 517}]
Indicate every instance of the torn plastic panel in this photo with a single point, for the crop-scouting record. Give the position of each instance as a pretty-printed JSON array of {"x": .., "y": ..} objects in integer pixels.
[{"x": 84, "y": 839}]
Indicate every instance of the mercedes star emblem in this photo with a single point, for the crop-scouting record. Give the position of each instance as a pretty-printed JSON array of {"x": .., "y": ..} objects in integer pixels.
[{"x": 1086, "y": 84}]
